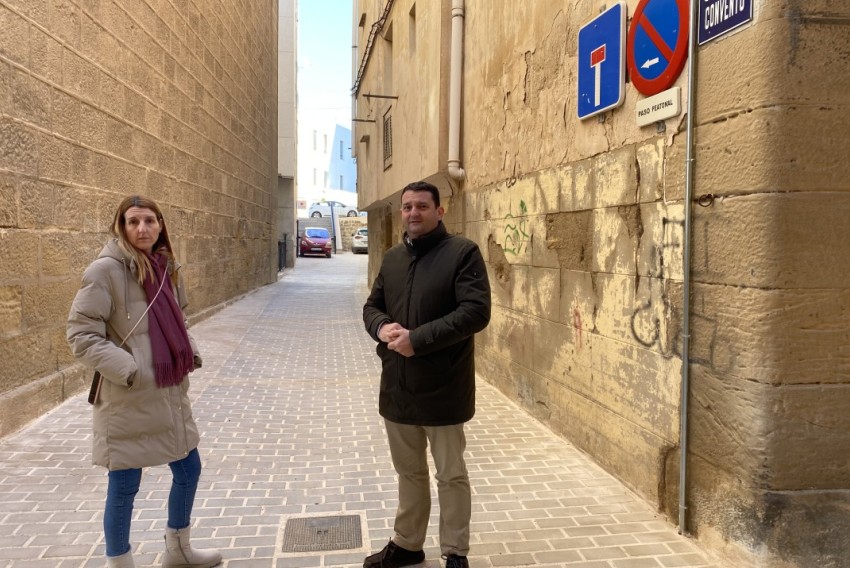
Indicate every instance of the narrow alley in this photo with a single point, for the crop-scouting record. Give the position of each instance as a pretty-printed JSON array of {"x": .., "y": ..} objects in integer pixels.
[{"x": 291, "y": 437}]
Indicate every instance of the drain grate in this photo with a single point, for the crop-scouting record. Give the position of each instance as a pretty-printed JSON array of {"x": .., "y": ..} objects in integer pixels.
[{"x": 313, "y": 534}]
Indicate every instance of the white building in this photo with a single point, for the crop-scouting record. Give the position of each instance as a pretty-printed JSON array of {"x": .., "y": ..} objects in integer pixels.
[
  {"x": 326, "y": 169},
  {"x": 286, "y": 132}
]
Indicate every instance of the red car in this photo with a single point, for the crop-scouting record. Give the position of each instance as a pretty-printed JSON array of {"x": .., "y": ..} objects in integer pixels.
[{"x": 316, "y": 240}]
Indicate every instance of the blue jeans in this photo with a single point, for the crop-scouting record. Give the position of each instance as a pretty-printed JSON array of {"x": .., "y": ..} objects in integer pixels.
[{"x": 121, "y": 492}]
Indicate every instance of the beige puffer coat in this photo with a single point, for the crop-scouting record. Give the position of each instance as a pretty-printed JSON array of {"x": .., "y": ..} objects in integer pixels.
[{"x": 139, "y": 425}]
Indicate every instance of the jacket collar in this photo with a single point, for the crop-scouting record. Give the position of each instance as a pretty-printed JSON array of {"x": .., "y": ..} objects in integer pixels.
[{"x": 423, "y": 244}]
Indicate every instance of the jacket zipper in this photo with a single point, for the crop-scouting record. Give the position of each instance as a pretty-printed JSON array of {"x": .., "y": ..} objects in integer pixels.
[{"x": 411, "y": 274}]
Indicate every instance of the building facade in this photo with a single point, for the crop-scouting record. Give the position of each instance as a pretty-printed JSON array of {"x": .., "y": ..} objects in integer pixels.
[
  {"x": 618, "y": 251},
  {"x": 287, "y": 131},
  {"x": 326, "y": 169},
  {"x": 99, "y": 100}
]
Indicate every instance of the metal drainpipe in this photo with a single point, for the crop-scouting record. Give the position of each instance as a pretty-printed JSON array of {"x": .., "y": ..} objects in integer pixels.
[
  {"x": 354, "y": 38},
  {"x": 686, "y": 288},
  {"x": 455, "y": 86}
]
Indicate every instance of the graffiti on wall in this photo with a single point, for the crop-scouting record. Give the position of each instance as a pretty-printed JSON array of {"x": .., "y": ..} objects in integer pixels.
[
  {"x": 577, "y": 326},
  {"x": 646, "y": 321},
  {"x": 516, "y": 235}
]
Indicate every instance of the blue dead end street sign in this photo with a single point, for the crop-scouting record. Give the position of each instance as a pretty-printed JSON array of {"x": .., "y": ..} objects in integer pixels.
[
  {"x": 657, "y": 44},
  {"x": 601, "y": 62}
]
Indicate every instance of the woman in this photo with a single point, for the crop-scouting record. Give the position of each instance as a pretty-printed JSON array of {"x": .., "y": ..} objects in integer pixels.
[{"x": 127, "y": 322}]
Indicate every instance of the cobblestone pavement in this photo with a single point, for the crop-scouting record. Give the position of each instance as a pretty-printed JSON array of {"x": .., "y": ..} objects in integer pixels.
[{"x": 286, "y": 403}]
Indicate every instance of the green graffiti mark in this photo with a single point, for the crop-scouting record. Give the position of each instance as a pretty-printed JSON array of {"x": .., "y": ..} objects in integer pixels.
[{"x": 516, "y": 236}]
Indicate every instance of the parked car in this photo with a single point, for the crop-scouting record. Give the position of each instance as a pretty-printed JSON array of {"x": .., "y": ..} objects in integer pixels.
[
  {"x": 315, "y": 240},
  {"x": 323, "y": 209},
  {"x": 360, "y": 240}
]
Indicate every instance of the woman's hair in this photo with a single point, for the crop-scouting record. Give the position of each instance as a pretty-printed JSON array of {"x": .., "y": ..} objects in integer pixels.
[{"x": 161, "y": 246}]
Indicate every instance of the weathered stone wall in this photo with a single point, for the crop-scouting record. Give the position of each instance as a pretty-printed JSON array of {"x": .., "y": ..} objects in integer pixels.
[
  {"x": 587, "y": 306},
  {"x": 347, "y": 227},
  {"x": 582, "y": 226},
  {"x": 100, "y": 100},
  {"x": 771, "y": 302}
]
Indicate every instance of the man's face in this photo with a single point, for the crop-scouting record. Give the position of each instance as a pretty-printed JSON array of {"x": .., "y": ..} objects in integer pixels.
[{"x": 419, "y": 214}]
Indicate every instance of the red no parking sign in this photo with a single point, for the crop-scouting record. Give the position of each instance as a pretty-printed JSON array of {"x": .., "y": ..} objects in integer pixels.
[{"x": 657, "y": 46}]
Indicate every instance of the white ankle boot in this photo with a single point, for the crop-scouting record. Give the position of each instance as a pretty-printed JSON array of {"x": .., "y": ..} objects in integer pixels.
[
  {"x": 123, "y": 561},
  {"x": 180, "y": 554}
]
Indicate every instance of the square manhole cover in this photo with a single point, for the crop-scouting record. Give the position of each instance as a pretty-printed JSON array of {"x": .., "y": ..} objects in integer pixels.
[{"x": 313, "y": 534}]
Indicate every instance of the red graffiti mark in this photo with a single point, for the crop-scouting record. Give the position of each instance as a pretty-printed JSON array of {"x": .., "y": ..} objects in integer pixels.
[{"x": 577, "y": 325}]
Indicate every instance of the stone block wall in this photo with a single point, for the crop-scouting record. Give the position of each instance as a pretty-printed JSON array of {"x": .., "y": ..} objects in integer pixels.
[
  {"x": 582, "y": 223},
  {"x": 347, "y": 227},
  {"x": 100, "y": 100},
  {"x": 585, "y": 264}
]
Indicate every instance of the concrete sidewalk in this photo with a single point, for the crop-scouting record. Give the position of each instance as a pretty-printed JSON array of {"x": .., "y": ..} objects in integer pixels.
[{"x": 292, "y": 442}]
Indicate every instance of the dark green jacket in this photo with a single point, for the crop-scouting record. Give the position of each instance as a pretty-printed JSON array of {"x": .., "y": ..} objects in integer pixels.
[{"x": 437, "y": 287}]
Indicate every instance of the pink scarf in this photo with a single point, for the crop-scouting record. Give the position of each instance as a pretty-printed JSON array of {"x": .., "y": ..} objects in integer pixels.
[{"x": 172, "y": 352}]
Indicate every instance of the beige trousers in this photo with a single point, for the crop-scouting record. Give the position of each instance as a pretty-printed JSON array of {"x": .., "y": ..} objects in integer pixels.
[{"x": 408, "y": 445}]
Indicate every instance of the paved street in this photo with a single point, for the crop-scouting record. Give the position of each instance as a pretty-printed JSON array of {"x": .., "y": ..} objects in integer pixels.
[{"x": 290, "y": 437}]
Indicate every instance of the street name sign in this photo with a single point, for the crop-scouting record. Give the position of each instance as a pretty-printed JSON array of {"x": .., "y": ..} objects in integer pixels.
[
  {"x": 718, "y": 17},
  {"x": 601, "y": 62},
  {"x": 657, "y": 46}
]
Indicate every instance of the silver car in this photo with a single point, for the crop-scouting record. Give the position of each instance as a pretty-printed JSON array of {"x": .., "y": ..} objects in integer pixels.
[
  {"x": 360, "y": 240},
  {"x": 323, "y": 209}
]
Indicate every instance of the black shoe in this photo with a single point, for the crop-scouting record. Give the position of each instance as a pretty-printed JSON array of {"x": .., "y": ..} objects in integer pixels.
[
  {"x": 455, "y": 561},
  {"x": 394, "y": 556}
]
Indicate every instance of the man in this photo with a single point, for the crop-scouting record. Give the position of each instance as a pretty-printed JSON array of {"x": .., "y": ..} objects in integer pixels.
[{"x": 429, "y": 299}]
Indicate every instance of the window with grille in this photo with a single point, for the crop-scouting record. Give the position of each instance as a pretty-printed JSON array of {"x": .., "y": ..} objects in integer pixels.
[{"x": 388, "y": 140}]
